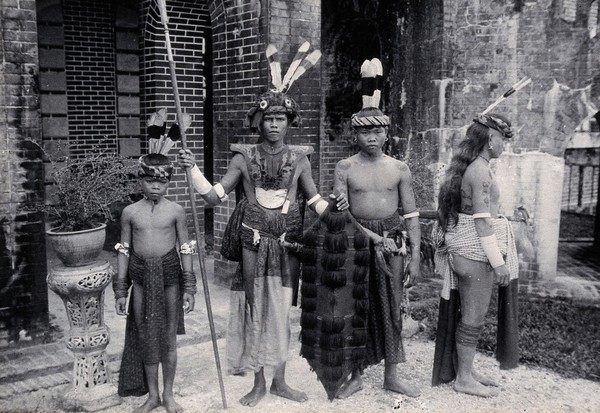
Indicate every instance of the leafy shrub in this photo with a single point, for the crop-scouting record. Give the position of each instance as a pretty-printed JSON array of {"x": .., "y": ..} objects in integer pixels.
[
  {"x": 86, "y": 188},
  {"x": 554, "y": 333}
]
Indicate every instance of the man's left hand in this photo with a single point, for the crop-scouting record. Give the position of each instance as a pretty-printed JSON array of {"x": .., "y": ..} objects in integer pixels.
[{"x": 412, "y": 273}]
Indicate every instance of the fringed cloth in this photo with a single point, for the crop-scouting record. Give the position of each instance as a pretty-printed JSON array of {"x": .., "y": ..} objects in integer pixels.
[
  {"x": 384, "y": 323},
  {"x": 258, "y": 334},
  {"x": 463, "y": 240},
  {"x": 150, "y": 345}
]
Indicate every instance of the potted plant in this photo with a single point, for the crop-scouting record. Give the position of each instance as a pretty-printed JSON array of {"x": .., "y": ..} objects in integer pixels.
[{"x": 81, "y": 201}]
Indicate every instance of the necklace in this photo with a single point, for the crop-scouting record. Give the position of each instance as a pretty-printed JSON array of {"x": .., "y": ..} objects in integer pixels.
[
  {"x": 272, "y": 150},
  {"x": 484, "y": 158}
]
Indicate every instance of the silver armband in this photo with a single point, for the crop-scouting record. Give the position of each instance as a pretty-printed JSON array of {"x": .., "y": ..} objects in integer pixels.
[
  {"x": 313, "y": 200},
  {"x": 122, "y": 248},
  {"x": 482, "y": 215},
  {"x": 188, "y": 248},
  {"x": 199, "y": 181},
  {"x": 411, "y": 215},
  {"x": 220, "y": 191}
]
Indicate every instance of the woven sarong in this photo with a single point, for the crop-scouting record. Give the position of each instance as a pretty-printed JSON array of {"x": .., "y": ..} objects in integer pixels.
[
  {"x": 384, "y": 324},
  {"x": 463, "y": 240},
  {"x": 258, "y": 333},
  {"x": 150, "y": 345}
]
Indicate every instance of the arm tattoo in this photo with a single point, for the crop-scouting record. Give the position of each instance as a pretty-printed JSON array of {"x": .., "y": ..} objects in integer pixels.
[
  {"x": 467, "y": 201},
  {"x": 486, "y": 192}
]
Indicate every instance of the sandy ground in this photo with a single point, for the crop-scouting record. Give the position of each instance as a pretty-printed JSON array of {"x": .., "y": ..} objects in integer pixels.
[{"x": 197, "y": 390}]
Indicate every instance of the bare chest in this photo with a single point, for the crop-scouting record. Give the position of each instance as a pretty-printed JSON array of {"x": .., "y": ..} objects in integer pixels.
[{"x": 373, "y": 178}]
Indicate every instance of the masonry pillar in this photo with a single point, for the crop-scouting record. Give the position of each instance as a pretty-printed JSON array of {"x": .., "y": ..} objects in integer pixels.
[{"x": 23, "y": 292}]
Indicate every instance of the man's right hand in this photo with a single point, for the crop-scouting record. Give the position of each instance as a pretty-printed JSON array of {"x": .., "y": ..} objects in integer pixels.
[
  {"x": 387, "y": 244},
  {"x": 185, "y": 158},
  {"x": 121, "y": 306},
  {"x": 502, "y": 275}
]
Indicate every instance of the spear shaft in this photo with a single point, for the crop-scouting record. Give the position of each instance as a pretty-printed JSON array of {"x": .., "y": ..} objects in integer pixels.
[{"x": 163, "y": 14}]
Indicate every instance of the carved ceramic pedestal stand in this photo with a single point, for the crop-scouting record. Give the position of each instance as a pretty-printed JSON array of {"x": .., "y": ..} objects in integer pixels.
[{"x": 82, "y": 290}]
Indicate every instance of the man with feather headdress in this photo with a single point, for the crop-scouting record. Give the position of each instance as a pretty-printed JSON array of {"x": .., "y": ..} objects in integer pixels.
[{"x": 274, "y": 176}]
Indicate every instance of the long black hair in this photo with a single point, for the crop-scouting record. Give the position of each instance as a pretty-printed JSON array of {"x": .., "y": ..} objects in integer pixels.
[{"x": 449, "y": 198}]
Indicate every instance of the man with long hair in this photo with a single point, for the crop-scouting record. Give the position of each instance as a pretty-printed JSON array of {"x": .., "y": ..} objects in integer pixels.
[{"x": 475, "y": 250}]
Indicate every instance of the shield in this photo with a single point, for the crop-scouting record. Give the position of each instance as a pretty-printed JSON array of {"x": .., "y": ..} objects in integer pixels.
[{"x": 334, "y": 298}]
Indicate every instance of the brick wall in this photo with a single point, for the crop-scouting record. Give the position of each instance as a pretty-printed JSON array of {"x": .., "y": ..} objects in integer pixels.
[
  {"x": 89, "y": 40},
  {"x": 23, "y": 292},
  {"x": 98, "y": 89},
  {"x": 189, "y": 29},
  {"x": 241, "y": 32}
]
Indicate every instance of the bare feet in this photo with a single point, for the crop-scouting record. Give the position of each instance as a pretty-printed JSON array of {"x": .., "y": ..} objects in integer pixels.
[
  {"x": 151, "y": 404},
  {"x": 399, "y": 386},
  {"x": 255, "y": 395},
  {"x": 485, "y": 380},
  {"x": 473, "y": 387},
  {"x": 171, "y": 405},
  {"x": 285, "y": 391},
  {"x": 349, "y": 388}
]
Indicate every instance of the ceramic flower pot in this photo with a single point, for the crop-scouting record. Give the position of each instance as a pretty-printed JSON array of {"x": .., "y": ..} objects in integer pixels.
[{"x": 78, "y": 248}]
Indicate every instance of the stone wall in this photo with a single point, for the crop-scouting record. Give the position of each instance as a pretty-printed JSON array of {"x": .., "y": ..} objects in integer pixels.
[
  {"x": 407, "y": 38},
  {"x": 533, "y": 180},
  {"x": 493, "y": 45}
]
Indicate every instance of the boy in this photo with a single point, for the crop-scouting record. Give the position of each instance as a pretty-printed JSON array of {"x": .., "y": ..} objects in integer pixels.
[
  {"x": 147, "y": 256},
  {"x": 376, "y": 186}
]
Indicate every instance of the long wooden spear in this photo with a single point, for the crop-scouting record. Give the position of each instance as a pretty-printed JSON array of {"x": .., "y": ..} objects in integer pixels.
[{"x": 180, "y": 120}]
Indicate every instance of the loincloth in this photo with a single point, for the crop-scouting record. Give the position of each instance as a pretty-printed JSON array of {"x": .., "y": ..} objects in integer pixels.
[
  {"x": 270, "y": 223},
  {"x": 258, "y": 332},
  {"x": 463, "y": 240},
  {"x": 149, "y": 345}
]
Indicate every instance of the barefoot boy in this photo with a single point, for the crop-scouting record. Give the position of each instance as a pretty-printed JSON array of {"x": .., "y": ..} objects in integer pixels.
[
  {"x": 147, "y": 256},
  {"x": 377, "y": 186}
]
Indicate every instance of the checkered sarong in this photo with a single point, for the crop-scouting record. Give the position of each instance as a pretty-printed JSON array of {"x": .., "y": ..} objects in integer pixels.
[{"x": 463, "y": 240}]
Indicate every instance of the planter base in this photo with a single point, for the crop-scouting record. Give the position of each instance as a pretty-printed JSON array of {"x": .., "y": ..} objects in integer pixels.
[
  {"x": 82, "y": 291},
  {"x": 98, "y": 398}
]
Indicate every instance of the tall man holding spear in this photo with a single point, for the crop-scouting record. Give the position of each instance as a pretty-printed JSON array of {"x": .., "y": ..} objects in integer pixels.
[{"x": 272, "y": 175}]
